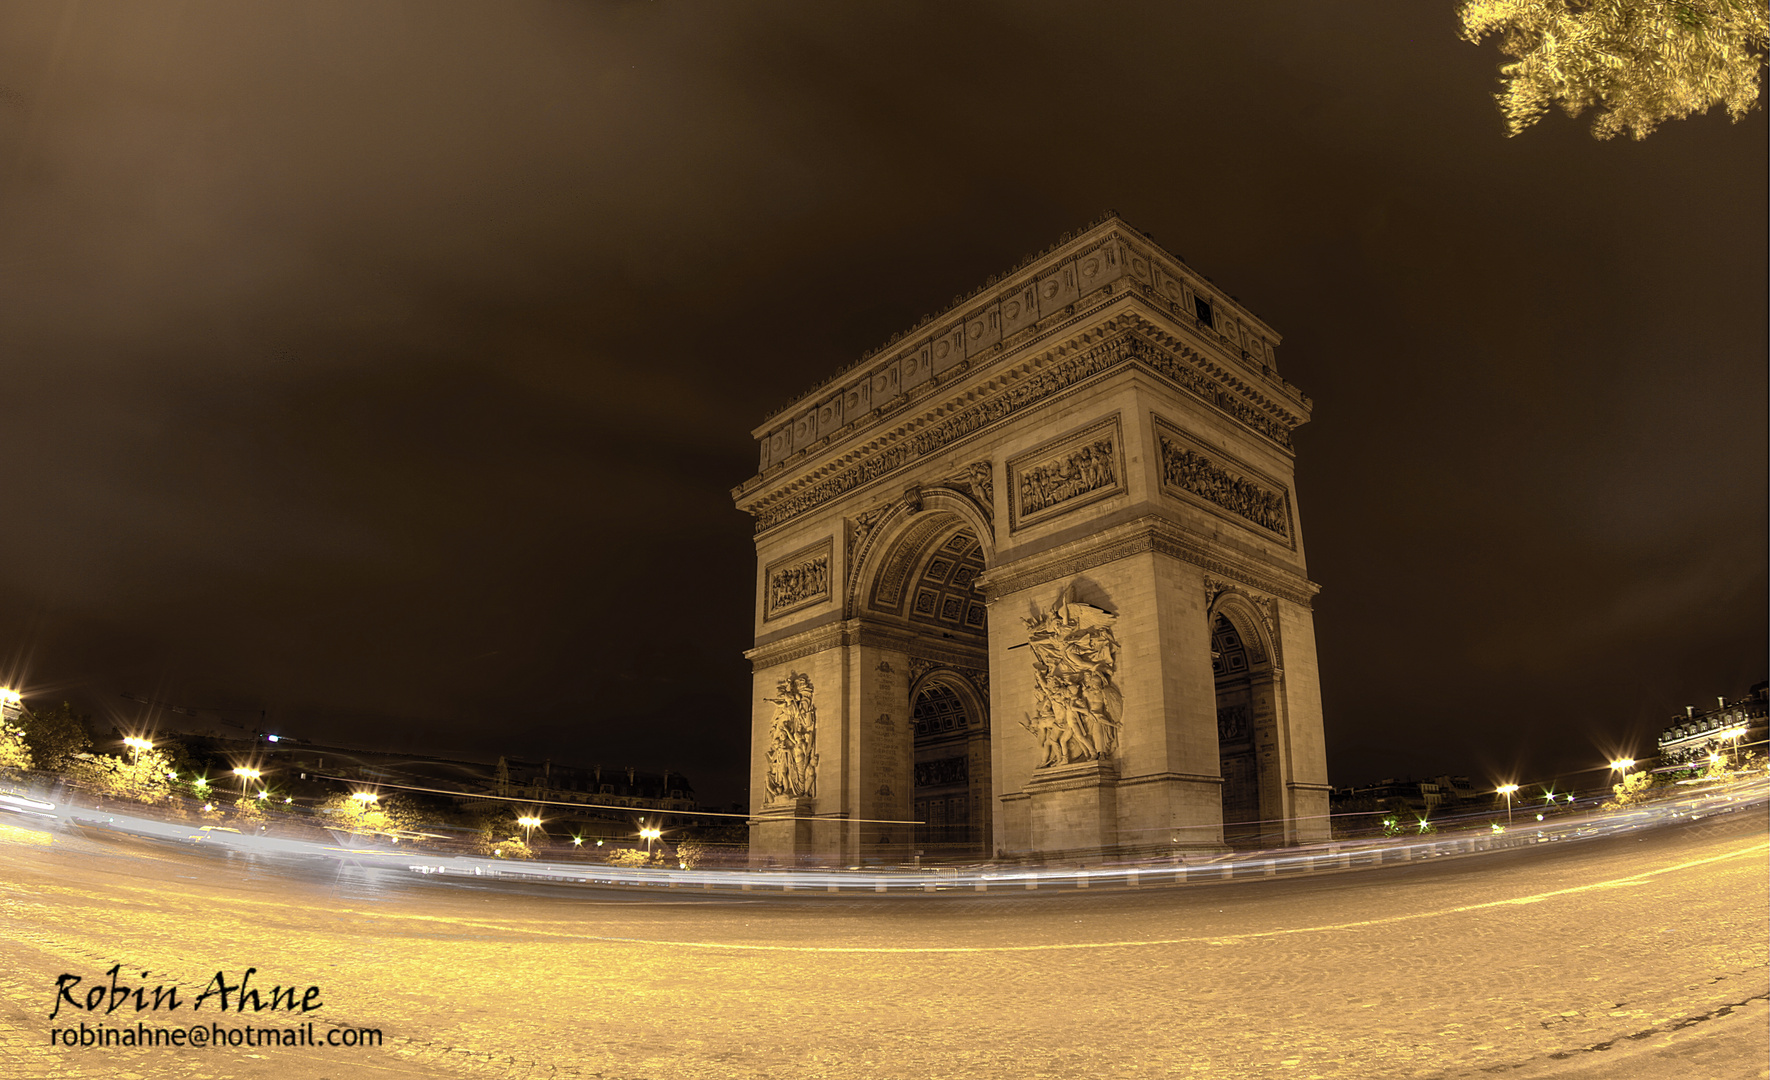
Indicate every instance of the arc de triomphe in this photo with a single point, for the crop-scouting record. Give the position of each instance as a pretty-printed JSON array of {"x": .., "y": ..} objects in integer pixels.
[{"x": 1032, "y": 575}]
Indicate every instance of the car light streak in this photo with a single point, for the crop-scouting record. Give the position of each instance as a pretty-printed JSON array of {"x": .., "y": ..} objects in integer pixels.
[{"x": 757, "y": 883}]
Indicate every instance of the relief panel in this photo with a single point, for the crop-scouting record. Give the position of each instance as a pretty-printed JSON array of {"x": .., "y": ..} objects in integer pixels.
[
  {"x": 1082, "y": 467},
  {"x": 1195, "y": 473},
  {"x": 797, "y": 581}
]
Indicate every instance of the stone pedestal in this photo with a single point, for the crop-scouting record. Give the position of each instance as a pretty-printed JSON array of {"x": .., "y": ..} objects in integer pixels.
[
  {"x": 784, "y": 833},
  {"x": 1074, "y": 810}
]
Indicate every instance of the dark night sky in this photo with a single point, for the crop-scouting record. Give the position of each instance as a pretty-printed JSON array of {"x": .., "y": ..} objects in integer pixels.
[{"x": 387, "y": 366}]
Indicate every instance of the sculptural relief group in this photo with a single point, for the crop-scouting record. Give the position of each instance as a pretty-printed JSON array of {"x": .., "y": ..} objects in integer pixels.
[
  {"x": 792, "y": 750},
  {"x": 1183, "y": 468},
  {"x": 1085, "y": 470},
  {"x": 1075, "y": 657}
]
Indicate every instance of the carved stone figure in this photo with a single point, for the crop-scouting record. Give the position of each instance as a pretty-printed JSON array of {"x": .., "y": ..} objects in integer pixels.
[
  {"x": 792, "y": 750},
  {"x": 1232, "y": 724},
  {"x": 979, "y": 479},
  {"x": 1075, "y": 657}
]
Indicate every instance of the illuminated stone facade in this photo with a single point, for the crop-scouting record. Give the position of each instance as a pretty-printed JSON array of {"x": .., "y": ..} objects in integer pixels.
[{"x": 1041, "y": 558}]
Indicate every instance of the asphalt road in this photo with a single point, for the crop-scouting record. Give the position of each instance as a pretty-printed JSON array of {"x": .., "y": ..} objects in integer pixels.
[{"x": 1636, "y": 956}]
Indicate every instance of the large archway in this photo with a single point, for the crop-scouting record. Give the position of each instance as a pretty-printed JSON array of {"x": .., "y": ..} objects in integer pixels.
[
  {"x": 1242, "y": 674},
  {"x": 952, "y": 796},
  {"x": 923, "y": 584}
]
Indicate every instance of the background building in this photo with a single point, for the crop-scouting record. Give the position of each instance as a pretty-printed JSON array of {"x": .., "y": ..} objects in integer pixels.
[{"x": 1729, "y": 726}]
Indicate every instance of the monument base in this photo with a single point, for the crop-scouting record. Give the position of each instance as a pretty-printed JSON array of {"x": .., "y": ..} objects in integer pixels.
[
  {"x": 783, "y": 833},
  {"x": 1074, "y": 810}
]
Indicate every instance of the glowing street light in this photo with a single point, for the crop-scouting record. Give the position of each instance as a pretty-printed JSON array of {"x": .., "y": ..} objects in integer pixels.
[
  {"x": 1732, "y": 737},
  {"x": 136, "y": 746},
  {"x": 365, "y": 797},
  {"x": 245, "y": 775},
  {"x": 1622, "y": 765},
  {"x": 528, "y": 826},
  {"x": 1507, "y": 790},
  {"x": 650, "y": 835}
]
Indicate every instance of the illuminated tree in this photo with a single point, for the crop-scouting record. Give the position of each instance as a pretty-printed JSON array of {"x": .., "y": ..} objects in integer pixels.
[
  {"x": 512, "y": 848},
  {"x": 1639, "y": 62},
  {"x": 692, "y": 853},
  {"x": 382, "y": 815},
  {"x": 144, "y": 777},
  {"x": 15, "y": 755},
  {"x": 1635, "y": 789}
]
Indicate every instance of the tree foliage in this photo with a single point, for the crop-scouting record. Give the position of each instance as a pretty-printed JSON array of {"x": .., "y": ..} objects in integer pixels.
[
  {"x": 392, "y": 814},
  {"x": 1635, "y": 789},
  {"x": 1639, "y": 62},
  {"x": 15, "y": 754},
  {"x": 145, "y": 777},
  {"x": 56, "y": 736}
]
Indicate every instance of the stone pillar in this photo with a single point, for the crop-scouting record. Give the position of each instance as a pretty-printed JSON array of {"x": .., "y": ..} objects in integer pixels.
[
  {"x": 1303, "y": 755},
  {"x": 882, "y": 758},
  {"x": 1170, "y": 781}
]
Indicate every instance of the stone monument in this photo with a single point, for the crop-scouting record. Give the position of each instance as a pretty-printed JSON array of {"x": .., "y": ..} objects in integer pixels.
[{"x": 1067, "y": 503}]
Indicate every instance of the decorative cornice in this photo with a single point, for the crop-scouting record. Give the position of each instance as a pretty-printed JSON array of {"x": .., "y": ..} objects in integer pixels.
[
  {"x": 1155, "y": 778},
  {"x": 1137, "y": 537},
  {"x": 1086, "y": 272},
  {"x": 999, "y": 287},
  {"x": 1050, "y": 377}
]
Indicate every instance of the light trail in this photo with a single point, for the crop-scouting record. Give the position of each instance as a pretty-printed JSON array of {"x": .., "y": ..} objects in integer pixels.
[{"x": 1212, "y": 939}]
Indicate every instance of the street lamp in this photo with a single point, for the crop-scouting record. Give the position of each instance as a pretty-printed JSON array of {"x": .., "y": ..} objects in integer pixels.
[
  {"x": 245, "y": 775},
  {"x": 1732, "y": 737},
  {"x": 650, "y": 835},
  {"x": 136, "y": 746},
  {"x": 1507, "y": 790},
  {"x": 528, "y": 826}
]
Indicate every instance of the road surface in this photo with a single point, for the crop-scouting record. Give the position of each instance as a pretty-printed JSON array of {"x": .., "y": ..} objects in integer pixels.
[{"x": 1636, "y": 956}]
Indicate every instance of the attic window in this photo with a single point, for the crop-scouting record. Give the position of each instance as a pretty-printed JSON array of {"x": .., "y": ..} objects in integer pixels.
[{"x": 1203, "y": 307}]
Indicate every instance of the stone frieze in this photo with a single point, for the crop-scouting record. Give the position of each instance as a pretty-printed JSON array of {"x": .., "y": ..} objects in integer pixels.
[
  {"x": 1023, "y": 393},
  {"x": 1189, "y": 470}
]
